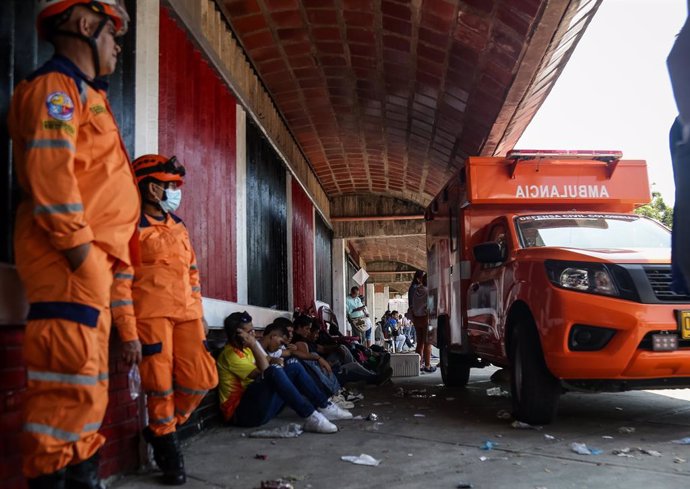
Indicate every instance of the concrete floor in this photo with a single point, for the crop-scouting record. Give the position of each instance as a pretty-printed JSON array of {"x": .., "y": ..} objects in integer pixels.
[{"x": 441, "y": 448}]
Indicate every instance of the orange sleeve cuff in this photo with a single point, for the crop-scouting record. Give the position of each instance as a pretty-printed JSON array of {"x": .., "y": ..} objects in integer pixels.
[
  {"x": 127, "y": 330},
  {"x": 64, "y": 242}
]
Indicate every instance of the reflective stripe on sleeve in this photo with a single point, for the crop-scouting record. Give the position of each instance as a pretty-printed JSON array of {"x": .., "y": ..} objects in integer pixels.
[
  {"x": 160, "y": 393},
  {"x": 163, "y": 420},
  {"x": 186, "y": 390},
  {"x": 196, "y": 288},
  {"x": 124, "y": 276},
  {"x": 49, "y": 144},
  {"x": 58, "y": 209},
  {"x": 91, "y": 427},
  {"x": 73, "y": 379},
  {"x": 115, "y": 304}
]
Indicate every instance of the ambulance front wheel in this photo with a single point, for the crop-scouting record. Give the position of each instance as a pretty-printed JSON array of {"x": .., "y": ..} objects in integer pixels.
[{"x": 535, "y": 391}]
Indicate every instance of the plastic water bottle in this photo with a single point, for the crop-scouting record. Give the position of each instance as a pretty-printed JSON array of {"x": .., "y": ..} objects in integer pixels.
[{"x": 134, "y": 381}]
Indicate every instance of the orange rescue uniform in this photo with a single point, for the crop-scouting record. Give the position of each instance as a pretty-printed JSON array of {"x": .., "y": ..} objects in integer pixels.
[
  {"x": 159, "y": 301},
  {"x": 78, "y": 188}
]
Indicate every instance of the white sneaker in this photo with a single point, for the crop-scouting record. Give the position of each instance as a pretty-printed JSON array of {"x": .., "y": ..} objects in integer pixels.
[
  {"x": 317, "y": 423},
  {"x": 333, "y": 412},
  {"x": 341, "y": 402}
]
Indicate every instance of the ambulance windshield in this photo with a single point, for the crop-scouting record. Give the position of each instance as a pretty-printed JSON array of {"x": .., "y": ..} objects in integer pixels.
[{"x": 591, "y": 231}]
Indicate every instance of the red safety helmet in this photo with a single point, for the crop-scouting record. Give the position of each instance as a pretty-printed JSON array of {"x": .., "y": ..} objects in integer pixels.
[
  {"x": 159, "y": 168},
  {"x": 115, "y": 9}
]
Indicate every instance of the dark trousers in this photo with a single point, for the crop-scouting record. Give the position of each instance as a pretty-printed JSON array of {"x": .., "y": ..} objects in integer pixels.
[
  {"x": 279, "y": 386},
  {"x": 680, "y": 239}
]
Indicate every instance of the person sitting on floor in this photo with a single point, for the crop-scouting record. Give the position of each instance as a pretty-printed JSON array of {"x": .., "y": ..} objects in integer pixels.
[
  {"x": 346, "y": 367},
  {"x": 252, "y": 392},
  {"x": 274, "y": 341}
]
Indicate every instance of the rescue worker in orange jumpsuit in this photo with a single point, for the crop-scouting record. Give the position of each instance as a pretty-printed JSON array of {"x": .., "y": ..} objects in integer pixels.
[
  {"x": 160, "y": 300},
  {"x": 76, "y": 221}
]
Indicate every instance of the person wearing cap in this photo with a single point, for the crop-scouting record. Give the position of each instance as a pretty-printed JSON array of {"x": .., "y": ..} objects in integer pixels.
[
  {"x": 76, "y": 220},
  {"x": 157, "y": 307}
]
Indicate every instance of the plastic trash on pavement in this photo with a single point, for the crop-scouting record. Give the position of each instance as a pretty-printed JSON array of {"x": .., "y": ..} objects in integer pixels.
[
  {"x": 626, "y": 430},
  {"x": 519, "y": 425},
  {"x": 363, "y": 459},
  {"x": 276, "y": 484},
  {"x": 682, "y": 441},
  {"x": 292, "y": 430},
  {"x": 488, "y": 445},
  {"x": 583, "y": 449},
  {"x": 497, "y": 392}
]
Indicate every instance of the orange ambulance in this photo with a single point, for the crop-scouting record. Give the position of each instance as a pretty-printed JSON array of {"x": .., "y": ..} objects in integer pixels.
[{"x": 537, "y": 263}]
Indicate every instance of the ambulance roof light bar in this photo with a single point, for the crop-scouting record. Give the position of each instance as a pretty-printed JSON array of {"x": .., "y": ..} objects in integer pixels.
[
  {"x": 610, "y": 157},
  {"x": 535, "y": 154}
]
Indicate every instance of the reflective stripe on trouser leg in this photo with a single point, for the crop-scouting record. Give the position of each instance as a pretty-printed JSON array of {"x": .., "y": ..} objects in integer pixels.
[
  {"x": 63, "y": 411},
  {"x": 195, "y": 369},
  {"x": 156, "y": 367},
  {"x": 66, "y": 360}
]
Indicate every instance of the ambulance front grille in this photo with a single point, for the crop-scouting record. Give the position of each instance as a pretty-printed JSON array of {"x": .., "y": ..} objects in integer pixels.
[{"x": 659, "y": 277}]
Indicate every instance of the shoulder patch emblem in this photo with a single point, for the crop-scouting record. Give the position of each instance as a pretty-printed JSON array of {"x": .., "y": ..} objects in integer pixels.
[
  {"x": 60, "y": 106},
  {"x": 97, "y": 109}
]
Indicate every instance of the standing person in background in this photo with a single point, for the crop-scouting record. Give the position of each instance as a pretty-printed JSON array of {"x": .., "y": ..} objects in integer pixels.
[
  {"x": 159, "y": 304},
  {"x": 356, "y": 314},
  {"x": 679, "y": 69},
  {"x": 75, "y": 222},
  {"x": 417, "y": 295}
]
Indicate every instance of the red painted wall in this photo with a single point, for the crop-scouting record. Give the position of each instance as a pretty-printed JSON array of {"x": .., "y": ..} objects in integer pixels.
[
  {"x": 302, "y": 247},
  {"x": 197, "y": 124},
  {"x": 120, "y": 425}
]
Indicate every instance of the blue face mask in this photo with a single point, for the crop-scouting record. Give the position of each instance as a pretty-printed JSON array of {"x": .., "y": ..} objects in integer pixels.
[{"x": 172, "y": 200}]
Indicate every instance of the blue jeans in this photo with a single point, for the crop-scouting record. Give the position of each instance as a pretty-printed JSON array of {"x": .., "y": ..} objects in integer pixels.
[
  {"x": 278, "y": 386},
  {"x": 327, "y": 382}
]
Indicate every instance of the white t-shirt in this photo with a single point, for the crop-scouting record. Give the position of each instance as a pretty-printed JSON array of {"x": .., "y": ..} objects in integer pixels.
[{"x": 278, "y": 353}]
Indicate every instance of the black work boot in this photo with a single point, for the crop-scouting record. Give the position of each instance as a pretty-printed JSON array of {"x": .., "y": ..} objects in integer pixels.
[
  {"x": 56, "y": 480},
  {"x": 84, "y": 475},
  {"x": 168, "y": 457}
]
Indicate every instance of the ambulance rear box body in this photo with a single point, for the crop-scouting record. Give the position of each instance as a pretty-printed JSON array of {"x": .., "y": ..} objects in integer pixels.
[{"x": 537, "y": 263}]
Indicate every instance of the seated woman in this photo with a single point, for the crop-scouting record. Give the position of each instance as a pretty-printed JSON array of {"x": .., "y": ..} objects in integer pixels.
[{"x": 252, "y": 392}]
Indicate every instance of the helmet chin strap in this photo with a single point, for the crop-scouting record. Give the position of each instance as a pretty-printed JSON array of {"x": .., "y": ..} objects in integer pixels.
[{"x": 91, "y": 41}]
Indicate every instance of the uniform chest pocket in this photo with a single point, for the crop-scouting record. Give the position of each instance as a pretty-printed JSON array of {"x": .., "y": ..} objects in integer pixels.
[{"x": 153, "y": 250}]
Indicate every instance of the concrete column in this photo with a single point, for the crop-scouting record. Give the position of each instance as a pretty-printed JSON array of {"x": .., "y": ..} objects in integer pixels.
[
  {"x": 371, "y": 301},
  {"x": 381, "y": 303},
  {"x": 290, "y": 255},
  {"x": 241, "y": 205},
  {"x": 339, "y": 281},
  {"x": 146, "y": 78}
]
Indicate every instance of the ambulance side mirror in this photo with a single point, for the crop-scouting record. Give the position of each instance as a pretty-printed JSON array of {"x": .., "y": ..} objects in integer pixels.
[{"x": 490, "y": 252}]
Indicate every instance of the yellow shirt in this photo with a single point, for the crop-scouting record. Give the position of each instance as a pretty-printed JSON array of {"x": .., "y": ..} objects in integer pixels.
[{"x": 234, "y": 368}]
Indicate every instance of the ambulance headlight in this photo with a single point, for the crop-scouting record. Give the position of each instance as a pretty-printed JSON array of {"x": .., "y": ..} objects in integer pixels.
[{"x": 594, "y": 278}]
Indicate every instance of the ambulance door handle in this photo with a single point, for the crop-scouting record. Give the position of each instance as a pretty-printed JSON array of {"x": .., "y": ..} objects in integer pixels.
[{"x": 451, "y": 269}]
